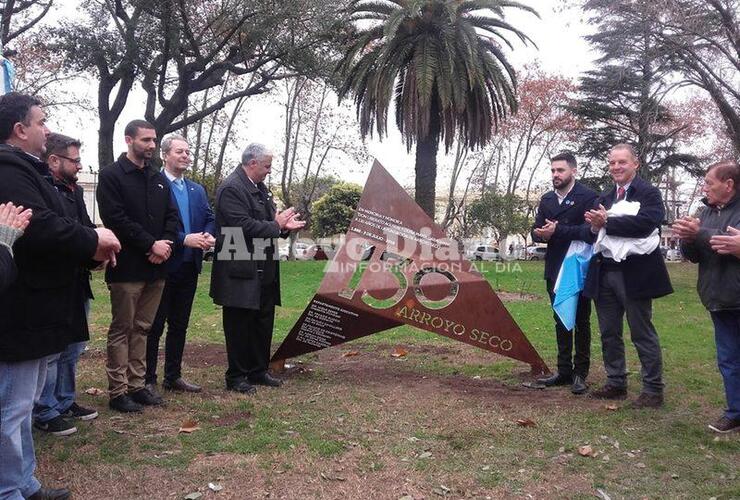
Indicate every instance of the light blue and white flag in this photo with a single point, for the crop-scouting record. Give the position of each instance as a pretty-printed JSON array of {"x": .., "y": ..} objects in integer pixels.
[
  {"x": 570, "y": 282},
  {"x": 7, "y": 73}
]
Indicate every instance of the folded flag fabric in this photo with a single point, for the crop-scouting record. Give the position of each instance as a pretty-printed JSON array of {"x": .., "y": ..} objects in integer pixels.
[
  {"x": 619, "y": 248},
  {"x": 570, "y": 282}
]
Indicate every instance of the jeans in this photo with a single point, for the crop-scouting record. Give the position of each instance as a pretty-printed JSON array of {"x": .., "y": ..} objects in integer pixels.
[
  {"x": 20, "y": 384},
  {"x": 727, "y": 337},
  {"x": 58, "y": 392}
]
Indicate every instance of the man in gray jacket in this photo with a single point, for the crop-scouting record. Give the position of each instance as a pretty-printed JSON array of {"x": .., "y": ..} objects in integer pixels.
[
  {"x": 719, "y": 276},
  {"x": 245, "y": 279}
]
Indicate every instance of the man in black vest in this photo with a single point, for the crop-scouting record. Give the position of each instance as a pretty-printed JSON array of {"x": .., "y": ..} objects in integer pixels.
[
  {"x": 38, "y": 314},
  {"x": 134, "y": 201},
  {"x": 629, "y": 287},
  {"x": 245, "y": 279},
  {"x": 559, "y": 222}
]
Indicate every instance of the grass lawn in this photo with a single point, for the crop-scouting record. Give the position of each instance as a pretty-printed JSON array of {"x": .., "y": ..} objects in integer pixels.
[{"x": 440, "y": 422}]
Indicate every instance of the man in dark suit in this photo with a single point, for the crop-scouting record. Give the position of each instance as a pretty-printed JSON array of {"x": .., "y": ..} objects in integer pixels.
[
  {"x": 631, "y": 285},
  {"x": 245, "y": 279},
  {"x": 135, "y": 202},
  {"x": 38, "y": 314},
  {"x": 560, "y": 221},
  {"x": 195, "y": 234}
]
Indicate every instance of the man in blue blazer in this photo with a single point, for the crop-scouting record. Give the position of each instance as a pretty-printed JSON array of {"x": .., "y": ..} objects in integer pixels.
[
  {"x": 631, "y": 285},
  {"x": 195, "y": 234},
  {"x": 560, "y": 220}
]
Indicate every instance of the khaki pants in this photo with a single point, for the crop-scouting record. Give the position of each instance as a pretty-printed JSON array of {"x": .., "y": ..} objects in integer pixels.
[{"x": 133, "y": 307}]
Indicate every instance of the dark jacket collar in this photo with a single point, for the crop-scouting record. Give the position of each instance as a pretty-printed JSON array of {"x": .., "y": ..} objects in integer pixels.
[
  {"x": 251, "y": 186},
  {"x": 730, "y": 203},
  {"x": 129, "y": 166}
]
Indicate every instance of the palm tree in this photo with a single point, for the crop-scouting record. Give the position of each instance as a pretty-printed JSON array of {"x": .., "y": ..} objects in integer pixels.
[{"x": 442, "y": 63}]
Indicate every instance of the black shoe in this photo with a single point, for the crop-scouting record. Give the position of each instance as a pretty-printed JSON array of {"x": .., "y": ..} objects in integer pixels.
[
  {"x": 610, "y": 392},
  {"x": 125, "y": 404},
  {"x": 241, "y": 386},
  {"x": 152, "y": 388},
  {"x": 180, "y": 385},
  {"x": 57, "y": 426},
  {"x": 49, "y": 494},
  {"x": 146, "y": 398},
  {"x": 77, "y": 411},
  {"x": 556, "y": 379},
  {"x": 579, "y": 385},
  {"x": 266, "y": 379}
]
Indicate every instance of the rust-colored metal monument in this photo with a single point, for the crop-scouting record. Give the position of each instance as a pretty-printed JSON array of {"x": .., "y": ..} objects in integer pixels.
[{"x": 397, "y": 267}]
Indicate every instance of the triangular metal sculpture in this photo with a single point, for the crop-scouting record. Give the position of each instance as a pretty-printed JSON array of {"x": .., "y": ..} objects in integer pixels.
[{"x": 397, "y": 267}]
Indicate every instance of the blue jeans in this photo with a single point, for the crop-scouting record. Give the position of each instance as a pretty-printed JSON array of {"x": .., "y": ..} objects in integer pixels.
[
  {"x": 58, "y": 392},
  {"x": 727, "y": 338},
  {"x": 20, "y": 384}
]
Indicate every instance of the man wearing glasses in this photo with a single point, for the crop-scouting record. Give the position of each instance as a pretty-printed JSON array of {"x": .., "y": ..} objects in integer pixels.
[{"x": 57, "y": 399}]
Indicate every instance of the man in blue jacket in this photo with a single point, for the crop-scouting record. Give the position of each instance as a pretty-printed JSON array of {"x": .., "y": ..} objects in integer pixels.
[
  {"x": 559, "y": 222},
  {"x": 631, "y": 285},
  {"x": 195, "y": 234}
]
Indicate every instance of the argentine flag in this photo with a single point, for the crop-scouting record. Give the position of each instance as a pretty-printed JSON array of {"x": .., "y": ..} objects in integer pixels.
[
  {"x": 7, "y": 73},
  {"x": 570, "y": 281}
]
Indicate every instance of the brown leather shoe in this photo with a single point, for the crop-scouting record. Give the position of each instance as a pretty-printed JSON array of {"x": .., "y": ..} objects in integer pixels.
[
  {"x": 180, "y": 385},
  {"x": 646, "y": 400},
  {"x": 610, "y": 392}
]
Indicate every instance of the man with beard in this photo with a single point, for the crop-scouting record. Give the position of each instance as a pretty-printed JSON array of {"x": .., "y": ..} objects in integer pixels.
[
  {"x": 135, "y": 202},
  {"x": 195, "y": 234},
  {"x": 57, "y": 399},
  {"x": 560, "y": 220}
]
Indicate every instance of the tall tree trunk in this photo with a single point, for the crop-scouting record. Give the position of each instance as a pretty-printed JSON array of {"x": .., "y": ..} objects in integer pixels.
[
  {"x": 426, "y": 173},
  {"x": 105, "y": 141},
  {"x": 426, "y": 164}
]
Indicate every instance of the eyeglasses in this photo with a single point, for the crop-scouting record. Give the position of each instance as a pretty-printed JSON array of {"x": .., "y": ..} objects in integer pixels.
[{"x": 75, "y": 161}]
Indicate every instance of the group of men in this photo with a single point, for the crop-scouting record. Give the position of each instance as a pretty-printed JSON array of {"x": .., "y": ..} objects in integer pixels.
[
  {"x": 624, "y": 283},
  {"x": 157, "y": 224}
]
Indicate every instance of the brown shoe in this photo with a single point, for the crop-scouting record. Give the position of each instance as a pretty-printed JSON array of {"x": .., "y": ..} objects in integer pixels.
[
  {"x": 646, "y": 400},
  {"x": 610, "y": 392}
]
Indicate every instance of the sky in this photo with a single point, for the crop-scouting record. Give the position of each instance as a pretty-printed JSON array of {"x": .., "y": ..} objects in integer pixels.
[{"x": 560, "y": 48}]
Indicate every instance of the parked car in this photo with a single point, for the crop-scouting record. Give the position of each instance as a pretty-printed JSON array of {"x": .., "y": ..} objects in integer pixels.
[
  {"x": 316, "y": 252},
  {"x": 535, "y": 252},
  {"x": 673, "y": 254},
  {"x": 486, "y": 252}
]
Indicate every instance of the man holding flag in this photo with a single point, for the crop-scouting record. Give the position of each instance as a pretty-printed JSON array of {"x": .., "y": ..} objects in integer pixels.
[{"x": 560, "y": 223}]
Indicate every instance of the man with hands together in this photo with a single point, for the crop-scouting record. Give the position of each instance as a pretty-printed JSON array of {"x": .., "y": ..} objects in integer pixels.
[
  {"x": 194, "y": 234},
  {"x": 713, "y": 241},
  {"x": 245, "y": 279},
  {"x": 135, "y": 203}
]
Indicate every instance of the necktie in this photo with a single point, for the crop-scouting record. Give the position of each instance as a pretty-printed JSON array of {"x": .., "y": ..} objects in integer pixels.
[
  {"x": 620, "y": 193},
  {"x": 179, "y": 184}
]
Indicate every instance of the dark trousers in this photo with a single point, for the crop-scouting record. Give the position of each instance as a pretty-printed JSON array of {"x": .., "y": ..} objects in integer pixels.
[
  {"x": 611, "y": 305},
  {"x": 174, "y": 309},
  {"x": 580, "y": 336},
  {"x": 248, "y": 335}
]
